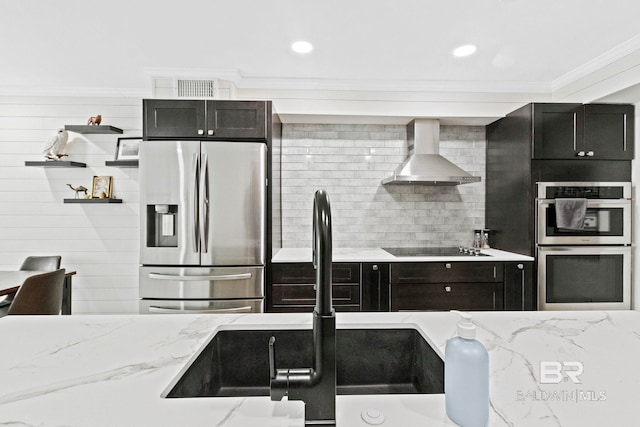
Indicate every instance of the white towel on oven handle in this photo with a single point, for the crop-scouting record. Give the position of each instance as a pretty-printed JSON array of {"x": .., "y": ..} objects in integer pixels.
[{"x": 570, "y": 213}]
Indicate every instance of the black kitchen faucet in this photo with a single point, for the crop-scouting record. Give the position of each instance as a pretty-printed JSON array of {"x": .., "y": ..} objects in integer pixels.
[{"x": 315, "y": 386}]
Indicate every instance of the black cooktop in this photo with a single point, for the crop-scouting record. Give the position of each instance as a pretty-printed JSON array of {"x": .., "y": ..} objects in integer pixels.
[{"x": 431, "y": 251}]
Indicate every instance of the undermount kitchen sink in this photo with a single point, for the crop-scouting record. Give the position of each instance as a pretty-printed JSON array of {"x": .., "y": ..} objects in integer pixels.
[{"x": 369, "y": 361}]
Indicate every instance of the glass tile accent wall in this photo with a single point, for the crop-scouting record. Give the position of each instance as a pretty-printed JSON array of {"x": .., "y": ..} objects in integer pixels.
[{"x": 349, "y": 161}]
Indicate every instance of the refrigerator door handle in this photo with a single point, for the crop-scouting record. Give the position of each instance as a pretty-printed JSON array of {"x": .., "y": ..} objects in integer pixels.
[
  {"x": 182, "y": 278},
  {"x": 196, "y": 211},
  {"x": 155, "y": 309},
  {"x": 204, "y": 208}
]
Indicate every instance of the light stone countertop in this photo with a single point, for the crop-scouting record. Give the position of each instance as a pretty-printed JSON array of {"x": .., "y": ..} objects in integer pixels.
[
  {"x": 111, "y": 370},
  {"x": 380, "y": 255}
]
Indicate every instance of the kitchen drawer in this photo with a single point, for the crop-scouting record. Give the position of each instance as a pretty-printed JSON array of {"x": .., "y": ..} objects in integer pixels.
[
  {"x": 303, "y": 272},
  {"x": 450, "y": 296},
  {"x": 304, "y": 295},
  {"x": 439, "y": 272}
]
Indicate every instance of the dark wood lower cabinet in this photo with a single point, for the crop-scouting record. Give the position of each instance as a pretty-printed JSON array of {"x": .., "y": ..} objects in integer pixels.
[
  {"x": 293, "y": 290},
  {"x": 449, "y": 296},
  {"x": 410, "y": 286},
  {"x": 375, "y": 287},
  {"x": 447, "y": 286},
  {"x": 302, "y": 297},
  {"x": 520, "y": 290}
]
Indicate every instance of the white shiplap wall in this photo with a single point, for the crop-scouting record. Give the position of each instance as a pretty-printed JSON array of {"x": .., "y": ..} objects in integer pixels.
[{"x": 98, "y": 241}]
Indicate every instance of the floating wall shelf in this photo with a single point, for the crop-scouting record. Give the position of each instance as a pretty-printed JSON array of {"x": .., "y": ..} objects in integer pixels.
[
  {"x": 92, "y": 200},
  {"x": 57, "y": 164},
  {"x": 122, "y": 163},
  {"x": 93, "y": 129}
]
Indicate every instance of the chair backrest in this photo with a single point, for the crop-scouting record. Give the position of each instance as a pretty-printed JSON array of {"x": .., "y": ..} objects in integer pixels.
[
  {"x": 39, "y": 294},
  {"x": 41, "y": 263}
]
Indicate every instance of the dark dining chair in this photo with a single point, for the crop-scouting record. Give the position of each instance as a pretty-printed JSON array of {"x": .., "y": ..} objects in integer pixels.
[
  {"x": 39, "y": 294},
  {"x": 42, "y": 263},
  {"x": 32, "y": 263}
]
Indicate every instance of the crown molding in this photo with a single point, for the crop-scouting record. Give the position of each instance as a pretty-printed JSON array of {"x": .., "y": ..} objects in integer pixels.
[
  {"x": 598, "y": 63},
  {"x": 295, "y": 83},
  {"x": 391, "y": 86}
]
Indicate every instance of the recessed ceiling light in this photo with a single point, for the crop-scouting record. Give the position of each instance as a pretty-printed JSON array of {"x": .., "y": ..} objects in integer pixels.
[
  {"x": 465, "y": 50},
  {"x": 302, "y": 47}
]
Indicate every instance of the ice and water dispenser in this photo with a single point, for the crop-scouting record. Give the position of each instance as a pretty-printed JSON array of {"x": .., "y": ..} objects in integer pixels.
[{"x": 161, "y": 226}]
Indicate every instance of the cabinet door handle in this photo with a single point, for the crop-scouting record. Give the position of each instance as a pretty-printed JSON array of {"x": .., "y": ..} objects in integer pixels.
[
  {"x": 209, "y": 132},
  {"x": 523, "y": 290},
  {"x": 624, "y": 132},
  {"x": 575, "y": 131},
  {"x": 581, "y": 153},
  {"x": 447, "y": 265},
  {"x": 590, "y": 153},
  {"x": 447, "y": 288},
  {"x": 200, "y": 132}
]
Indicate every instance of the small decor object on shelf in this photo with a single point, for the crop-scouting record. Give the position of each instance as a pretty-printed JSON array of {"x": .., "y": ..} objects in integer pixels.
[
  {"x": 79, "y": 190},
  {"x": 94, "y": 120},
  {"x": 102, "y": 187},
  {"x": 54, "y": 150},
  {"x": 128, "y": 148}
]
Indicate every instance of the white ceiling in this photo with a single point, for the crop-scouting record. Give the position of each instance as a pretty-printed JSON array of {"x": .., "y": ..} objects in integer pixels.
[{"x": 361, "y": 46}]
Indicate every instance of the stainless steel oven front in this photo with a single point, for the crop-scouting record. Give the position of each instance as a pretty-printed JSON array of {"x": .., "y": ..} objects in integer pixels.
[
  {"x": 607, "y": 220},
  {"x": 584, "y": 277}
]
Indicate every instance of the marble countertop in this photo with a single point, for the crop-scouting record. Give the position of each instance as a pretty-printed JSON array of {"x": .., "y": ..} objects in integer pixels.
[
  {"x": 380, "y": 255},
  {"x": 112, "y": 370}
]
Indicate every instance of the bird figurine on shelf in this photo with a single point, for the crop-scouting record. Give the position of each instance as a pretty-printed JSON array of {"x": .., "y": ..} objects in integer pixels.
[
  {"x": 78, "y": 190},
  {"x": 54, "y": 150},
  {"x": 94, "y": 120}
]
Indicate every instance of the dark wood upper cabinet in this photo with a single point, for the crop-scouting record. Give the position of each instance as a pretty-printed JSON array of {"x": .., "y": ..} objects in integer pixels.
[
  {"x": 199, "y": 119},
  {"x": 609, "y": 131},
  {"x": 574, "y": 131},
  {"x": 236, "y": 119},
  {"x": 557, "y": 130},
  {"x": 165, "y": 118}
]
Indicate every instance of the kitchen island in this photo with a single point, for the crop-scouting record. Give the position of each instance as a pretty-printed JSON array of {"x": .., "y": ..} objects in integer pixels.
[{"x": 112, "y": 370}]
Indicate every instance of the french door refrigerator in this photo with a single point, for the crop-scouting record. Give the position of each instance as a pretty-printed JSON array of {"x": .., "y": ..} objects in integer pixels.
[{"x": 203, "y": 226}]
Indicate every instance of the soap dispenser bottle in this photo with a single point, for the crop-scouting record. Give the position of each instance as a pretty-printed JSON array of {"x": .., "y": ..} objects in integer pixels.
[{"x": 466, "y": 376}]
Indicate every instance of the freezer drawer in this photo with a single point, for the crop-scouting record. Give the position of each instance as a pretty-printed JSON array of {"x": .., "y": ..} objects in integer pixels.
[
  {"x": 150, "y": 306},
  {"x": 201, "y": 282}
]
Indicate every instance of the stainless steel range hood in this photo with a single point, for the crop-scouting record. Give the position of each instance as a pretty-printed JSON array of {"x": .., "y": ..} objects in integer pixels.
[{"x": 425, "y": 166}]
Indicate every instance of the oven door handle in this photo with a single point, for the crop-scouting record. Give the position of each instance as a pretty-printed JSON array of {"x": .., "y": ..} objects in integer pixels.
[
  {"x": 592, "y": 203},
  {"x": 184, "y": 278},
  {"x": 156, "y": 309}
]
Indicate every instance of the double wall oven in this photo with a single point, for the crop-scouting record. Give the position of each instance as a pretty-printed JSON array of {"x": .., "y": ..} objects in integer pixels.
[{"x": 587, "y": 267}]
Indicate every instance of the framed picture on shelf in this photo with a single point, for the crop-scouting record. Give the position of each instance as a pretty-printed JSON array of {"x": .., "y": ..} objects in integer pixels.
[
  {"x": 102, "y": 187},
  {"x": 128, "y": 148}
]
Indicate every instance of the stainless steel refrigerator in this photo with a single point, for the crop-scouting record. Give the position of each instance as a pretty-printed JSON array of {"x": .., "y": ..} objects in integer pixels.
[{"x": 203, "y": 226}]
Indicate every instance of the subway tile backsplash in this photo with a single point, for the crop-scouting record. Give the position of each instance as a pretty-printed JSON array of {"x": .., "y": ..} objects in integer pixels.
[{"x": 349, "y": 161}]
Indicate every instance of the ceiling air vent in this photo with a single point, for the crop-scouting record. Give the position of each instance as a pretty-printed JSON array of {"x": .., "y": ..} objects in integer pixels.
[{"x": 197, "y": 88}]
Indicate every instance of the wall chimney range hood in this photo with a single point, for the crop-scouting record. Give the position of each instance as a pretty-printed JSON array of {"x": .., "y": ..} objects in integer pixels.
[{"x": 425, "y": 166}]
